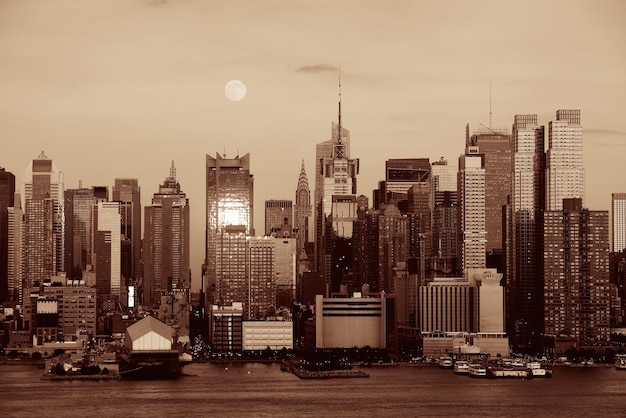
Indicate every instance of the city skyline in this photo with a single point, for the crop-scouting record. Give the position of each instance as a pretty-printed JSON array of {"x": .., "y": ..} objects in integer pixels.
[{"x": 139, "y": 85}]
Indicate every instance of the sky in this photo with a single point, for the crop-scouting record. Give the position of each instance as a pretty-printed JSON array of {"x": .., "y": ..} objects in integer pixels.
[{"x": 121, "y": 88}]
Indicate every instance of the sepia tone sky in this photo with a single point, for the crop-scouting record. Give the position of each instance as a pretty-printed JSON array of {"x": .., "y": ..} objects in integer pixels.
[{"x": 120, "y": 88}]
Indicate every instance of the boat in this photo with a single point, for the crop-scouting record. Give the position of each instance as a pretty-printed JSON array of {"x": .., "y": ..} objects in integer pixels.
[
  {"x": 509, "y": 372},
  {"x": 461, "y": 367},
  {"x": 477, "y": 370},
  {"x": 538, "y": 370},
  {"x": 445, "y": 362},
  {"x": 620, "y": 361}
]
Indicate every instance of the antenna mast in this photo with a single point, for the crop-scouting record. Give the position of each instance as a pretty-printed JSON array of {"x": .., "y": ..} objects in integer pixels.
[{"x": 489, "y": 101}]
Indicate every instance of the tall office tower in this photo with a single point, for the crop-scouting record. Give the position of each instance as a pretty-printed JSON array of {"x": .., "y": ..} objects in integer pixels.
[
  {"x": 444, "y": 208},
  {"x": 231, "y": 284},
  {"x": 229, "y": 201},
  {"x": 303, "y": 216},
  {"x": 471, "y": 198},
  {"x": 285, "y": 271},
  {"x": 166, "y": 242},
  {"x": 495, "y": 148},
  {"x": 576, "y": 279},
  {"x": 7, "y": 195},
  {"x": 419, "y": 203},
  {"x": 278, "y": 217},
  {"x": 43, "y": 224},
  {"x": 565, "y": 175},
  {"x": 262, "y": 278},
  {"x": 79, "y": 220},
  {"x": 618, "y": 222},
  {"x": 107, "y": 246},
  {"x": 523, "y": 252},
  {"x": 127, "y": 192},
  {"x": 335, "y": 188},
  {"x": 15, "y": 264}
]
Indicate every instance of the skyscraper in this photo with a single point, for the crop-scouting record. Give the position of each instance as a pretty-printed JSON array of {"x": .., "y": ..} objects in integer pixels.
[
  {"x": 444, "y": 214},
  {"x": 618, "y": 222},
  {"x": 335, "y": 188},
  {"x": 495, "y": 148},
  {"x": 303, "y": 215},
  {"x": 523, "y": 252},
  {"x": 15, "y": 264},
  {"x": 79, "y": 211},
  {"x": 127, "y": 192},
  {"x": 166, "y": 241},
  {"x": 471, "y": 198},
  {"x": 107, "y": 243},
  {"x": 7, "y": 195},
  {"x": 576, "y": 279},
  {"x": 43, "y": 225},
  {"x": 229, "y": 202},
  {"x": 565, "y": 175}
]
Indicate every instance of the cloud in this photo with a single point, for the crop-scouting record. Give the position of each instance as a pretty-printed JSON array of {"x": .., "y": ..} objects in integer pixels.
[
  {"x": 601, "y": 131},
  {"x": 318, "y": 68}
]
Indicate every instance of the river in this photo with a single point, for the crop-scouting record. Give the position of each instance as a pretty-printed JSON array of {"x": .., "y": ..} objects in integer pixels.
[{"x": 263, "y": 390}]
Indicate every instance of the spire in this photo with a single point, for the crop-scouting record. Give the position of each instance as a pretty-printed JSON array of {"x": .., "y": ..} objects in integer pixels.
[
  {"x": 173, "y": 172},
  {"x": 42, "y": 156},
  {"x": 339, "y": 146},
  {"x": 303, "y": 181}
]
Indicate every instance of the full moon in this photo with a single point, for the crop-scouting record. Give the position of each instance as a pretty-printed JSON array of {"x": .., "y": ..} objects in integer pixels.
[{"x": 235, "y": 90}]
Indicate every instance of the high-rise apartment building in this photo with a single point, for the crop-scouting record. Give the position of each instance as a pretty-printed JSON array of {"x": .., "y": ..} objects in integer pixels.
[
  {"x": 576, "y": 279},
  {"x": 7, "y": 195},
  {"x": 565, "y": 175},
  {"x": 495, "y": 148},
  {"x": 618, "y": 222},
  {"x": 278, "y": 217},
  {"x": 229, "y": 202},
  {"x": 127, "y": 192},
  {"x": 166, "y": 242},
  {"x": 471, "y": 198},
  {"x": 523, "y": 252}
]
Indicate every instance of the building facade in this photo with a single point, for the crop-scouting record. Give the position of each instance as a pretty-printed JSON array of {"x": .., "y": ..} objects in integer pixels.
[
  {"x": 471, "y": 197},
  {"x": 576, "y": 278},
  {"x": 565, "y": 175},
  {"x": 7, "y": 196},
  {"x": 278, "y": 217},
  {"x": 127, "y": 192},
  {"x": 618, "y": 222},
  {"x": 229, "y": 202},
  {"x": 166, "y": 242}
]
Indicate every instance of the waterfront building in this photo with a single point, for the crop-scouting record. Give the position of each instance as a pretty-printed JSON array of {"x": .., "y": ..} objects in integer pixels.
[
  {"x": 357, "y": 321},
  {"x": 471, "y": 197},
  {"x": 524, "y": 231},
  {"x": 7, "y": 196},
  {"x": 226, "y": 328},
  {"x": 446, "y": 305},
  {"x": 229, "y": 202},
  {"x": 576, "y": 273},
  {"x": 259, "y": 335},
  {"x": 618, "y": 222},
  {"x": 166, "y": 242},
  {"x": 278, "y": 217},
  {"x": 565, "y": 175},
  {"x": 127, "y": 192}
]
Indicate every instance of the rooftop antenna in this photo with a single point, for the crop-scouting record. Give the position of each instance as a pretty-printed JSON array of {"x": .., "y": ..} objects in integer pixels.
[
  {"x": 339, "y": 147},
  {"x": 173, "y": 171}
]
